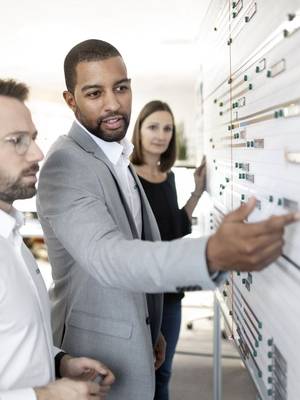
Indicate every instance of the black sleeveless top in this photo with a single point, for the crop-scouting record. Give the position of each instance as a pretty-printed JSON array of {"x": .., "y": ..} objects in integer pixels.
[{"x": 173, "y": 223}]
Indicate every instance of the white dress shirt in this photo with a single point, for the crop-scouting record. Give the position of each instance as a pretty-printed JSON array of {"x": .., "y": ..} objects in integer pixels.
[
  {"x": 26, "y": 347},
  {"x": 118, "y": 154}
]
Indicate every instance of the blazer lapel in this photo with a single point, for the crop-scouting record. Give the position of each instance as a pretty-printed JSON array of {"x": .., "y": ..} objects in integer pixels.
[{"x": 90, "y": 146}]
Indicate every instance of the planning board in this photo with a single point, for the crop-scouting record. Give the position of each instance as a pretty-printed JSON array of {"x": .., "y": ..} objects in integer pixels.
[{"x": 249, "y": 116}]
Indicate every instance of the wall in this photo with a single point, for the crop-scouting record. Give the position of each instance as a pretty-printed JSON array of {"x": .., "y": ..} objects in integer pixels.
[{"x": 249, "y": 114}]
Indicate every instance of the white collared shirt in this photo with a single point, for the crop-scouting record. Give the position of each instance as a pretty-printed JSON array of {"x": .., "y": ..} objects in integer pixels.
[
  {"x": 26, "y": 347},
  {"x": 118, "y": 154}
]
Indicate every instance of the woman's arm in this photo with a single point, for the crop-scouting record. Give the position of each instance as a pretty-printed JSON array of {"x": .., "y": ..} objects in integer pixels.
[{"x": 199, "y": 177}]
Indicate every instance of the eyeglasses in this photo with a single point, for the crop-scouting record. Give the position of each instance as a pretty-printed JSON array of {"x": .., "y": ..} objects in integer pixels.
[{"x": 20, "y": 141}]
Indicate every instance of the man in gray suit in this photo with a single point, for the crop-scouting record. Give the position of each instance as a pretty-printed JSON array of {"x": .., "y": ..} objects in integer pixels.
[{"x": 103, "y": 240}]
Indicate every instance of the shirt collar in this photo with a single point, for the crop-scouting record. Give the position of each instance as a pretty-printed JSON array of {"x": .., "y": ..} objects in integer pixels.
[
  {"x": 10, "y": 221},
  {"x": 112, "y": 150}
]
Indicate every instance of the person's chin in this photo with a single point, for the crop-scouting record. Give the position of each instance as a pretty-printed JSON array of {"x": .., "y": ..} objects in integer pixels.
[
  {"x": 158, "y": 150},
  {"x": 112, "y": 135},
  {"x": 27, "y": 192}
]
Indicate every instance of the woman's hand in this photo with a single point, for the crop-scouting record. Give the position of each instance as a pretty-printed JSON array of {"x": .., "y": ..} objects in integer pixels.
[{"x": 200, "y": 178}]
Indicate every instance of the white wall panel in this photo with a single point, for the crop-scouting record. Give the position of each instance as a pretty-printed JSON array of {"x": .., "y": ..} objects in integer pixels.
[{"x": 251, "y": 126}]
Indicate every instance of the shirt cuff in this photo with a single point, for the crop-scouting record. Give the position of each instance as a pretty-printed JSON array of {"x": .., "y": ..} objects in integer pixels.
[
  {"x": 219, "y": 277},
  {"x": 56, "y": 350},
  {"x": 18, "y": 394}
]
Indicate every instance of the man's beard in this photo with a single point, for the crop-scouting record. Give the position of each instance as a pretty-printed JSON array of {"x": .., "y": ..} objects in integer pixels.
[
  {"x": 14, "y": 190},
  {"x": 113, "y": 136}
]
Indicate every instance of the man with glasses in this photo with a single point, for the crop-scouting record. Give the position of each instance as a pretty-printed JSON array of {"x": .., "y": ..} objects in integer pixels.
[{"x": 26, "y": 348}]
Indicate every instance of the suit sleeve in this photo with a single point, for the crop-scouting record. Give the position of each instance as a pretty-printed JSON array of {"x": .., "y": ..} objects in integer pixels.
[{"x": 79, "y": 218}]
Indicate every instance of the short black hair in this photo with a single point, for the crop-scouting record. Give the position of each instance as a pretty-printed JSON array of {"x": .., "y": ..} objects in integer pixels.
[
  {"x": 89, "y": 50},
  {"x": 14, "y": 89}
]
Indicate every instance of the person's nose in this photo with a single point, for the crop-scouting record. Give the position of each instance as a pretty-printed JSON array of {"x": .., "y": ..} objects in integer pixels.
[
  {"x": 111, "y": 102},
  {"x": 161, "y": 133},
  {"x": 34, "y": 153}
]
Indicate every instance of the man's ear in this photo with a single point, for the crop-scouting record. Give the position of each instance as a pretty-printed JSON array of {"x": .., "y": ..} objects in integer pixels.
[{"x": 70, "y": 100}]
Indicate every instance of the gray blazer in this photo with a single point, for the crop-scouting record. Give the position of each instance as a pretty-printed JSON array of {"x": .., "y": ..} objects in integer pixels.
[{"x": 101, "y": 270}]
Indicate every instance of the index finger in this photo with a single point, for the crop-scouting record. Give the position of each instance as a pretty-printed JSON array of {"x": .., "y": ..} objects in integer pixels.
[
  {"x": 273, "y": 224},
  {"x": 90, "y": 363},
  {"x": 203, "y": 161},
  {"x": 290, "y": 218}
]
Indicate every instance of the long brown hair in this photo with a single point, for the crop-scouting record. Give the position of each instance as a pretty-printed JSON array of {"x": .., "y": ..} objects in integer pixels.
[{"x": 167, "y": 159}]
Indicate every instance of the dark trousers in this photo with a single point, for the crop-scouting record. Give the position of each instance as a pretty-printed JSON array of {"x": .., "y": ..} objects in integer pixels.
[{"x": 170, "y": 329}]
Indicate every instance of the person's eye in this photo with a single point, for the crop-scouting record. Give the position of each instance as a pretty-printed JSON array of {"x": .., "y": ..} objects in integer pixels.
[
  {"x": 121, "y": 88},
  {"x": 15, "y": 140},
  {"x": 152, "y": 127},
  {"x": 168, "y": 129},
  {"x": 94, "y": 94}
]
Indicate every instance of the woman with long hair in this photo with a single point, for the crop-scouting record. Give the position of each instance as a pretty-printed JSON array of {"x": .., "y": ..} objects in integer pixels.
[{"x": 154, "y": 154}]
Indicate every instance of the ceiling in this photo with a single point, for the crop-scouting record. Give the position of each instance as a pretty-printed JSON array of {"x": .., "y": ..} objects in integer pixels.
[{"x": 156, "y": 37}]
